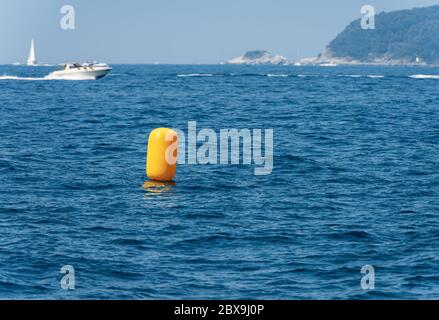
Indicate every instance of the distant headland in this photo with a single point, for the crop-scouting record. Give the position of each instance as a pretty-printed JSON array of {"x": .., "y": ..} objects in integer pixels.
[{"x": 405, "y": 37}]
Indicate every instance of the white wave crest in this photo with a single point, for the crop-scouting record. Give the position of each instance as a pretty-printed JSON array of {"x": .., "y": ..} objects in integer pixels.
[
  {"x": 425, "y": 76},
  {"x": 350, "y": 75},
  {"x": 372, "y": 76},
  {"x": 195, "y": 75},
  {"x": 277, "y": 75}
]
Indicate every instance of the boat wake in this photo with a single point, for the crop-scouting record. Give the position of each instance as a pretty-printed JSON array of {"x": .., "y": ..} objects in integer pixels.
[
  {"x": 21, "y": 78},
  {"x": 46, "y": 78}
]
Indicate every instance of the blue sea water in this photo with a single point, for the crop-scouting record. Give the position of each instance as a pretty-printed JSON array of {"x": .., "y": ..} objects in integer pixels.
[{"x": 355, "y": 182}]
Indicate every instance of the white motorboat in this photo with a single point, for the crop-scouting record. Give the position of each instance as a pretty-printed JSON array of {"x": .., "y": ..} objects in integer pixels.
[{"x": 85, "y": 71}]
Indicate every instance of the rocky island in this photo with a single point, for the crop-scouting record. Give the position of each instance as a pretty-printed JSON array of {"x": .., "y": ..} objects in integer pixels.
[{"x": 259, "y": 57}]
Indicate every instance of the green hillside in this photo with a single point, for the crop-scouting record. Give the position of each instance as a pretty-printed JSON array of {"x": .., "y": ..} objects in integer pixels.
[{"x": 398, "y": 36}]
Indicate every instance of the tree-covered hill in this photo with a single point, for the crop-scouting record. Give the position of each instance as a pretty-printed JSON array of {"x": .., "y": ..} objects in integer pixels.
[{"x": 399, "y": 36}]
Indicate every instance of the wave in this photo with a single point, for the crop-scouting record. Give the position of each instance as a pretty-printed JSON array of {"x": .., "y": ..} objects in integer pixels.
[
  {"x": 350, "y": 75},
  {"x": 372, "y": 76},
  {"x": 195, "y": 75},
  {"x": 232, "y": 75},
  {"x": 280, "y": 75},
  {"x": 425, "y": 76},
  {"x": 255, "y": 75},
  {"x": 270, "y": 75}
]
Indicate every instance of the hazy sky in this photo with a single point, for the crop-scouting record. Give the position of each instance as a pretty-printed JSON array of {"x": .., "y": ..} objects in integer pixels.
[{"x": 177, "y": 31}]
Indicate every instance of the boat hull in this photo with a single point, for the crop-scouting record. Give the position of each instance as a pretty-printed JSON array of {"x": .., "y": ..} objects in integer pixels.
[{"x": 81, "y": 74}]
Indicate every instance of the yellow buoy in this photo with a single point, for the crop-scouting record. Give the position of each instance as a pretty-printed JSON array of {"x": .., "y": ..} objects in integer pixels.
[{"x": 161, "y": 160}]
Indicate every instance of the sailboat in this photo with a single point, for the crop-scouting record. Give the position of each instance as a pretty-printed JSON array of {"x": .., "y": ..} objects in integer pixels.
[{"x": 31, "y": 60}]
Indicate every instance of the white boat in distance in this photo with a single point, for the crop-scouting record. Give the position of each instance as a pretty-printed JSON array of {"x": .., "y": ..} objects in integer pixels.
[
  {"x": 329, "y": 64},
  {"x": 84, "y": 71},
  {"x": 31, "y": 60}
]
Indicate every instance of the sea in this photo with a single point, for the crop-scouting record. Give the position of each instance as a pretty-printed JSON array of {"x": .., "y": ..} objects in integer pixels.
[{"x": 349, "y": 211}]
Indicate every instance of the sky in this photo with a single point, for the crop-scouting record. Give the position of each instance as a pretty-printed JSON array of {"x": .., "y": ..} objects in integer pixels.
[{"x": 177, "y": 31}]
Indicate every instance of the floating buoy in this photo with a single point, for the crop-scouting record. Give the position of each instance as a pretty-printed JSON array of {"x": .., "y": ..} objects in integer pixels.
[{"x": 161, "y": 160}]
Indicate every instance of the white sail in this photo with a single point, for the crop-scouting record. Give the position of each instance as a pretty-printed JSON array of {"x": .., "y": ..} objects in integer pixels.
[{"x": 31, "y": 61}]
